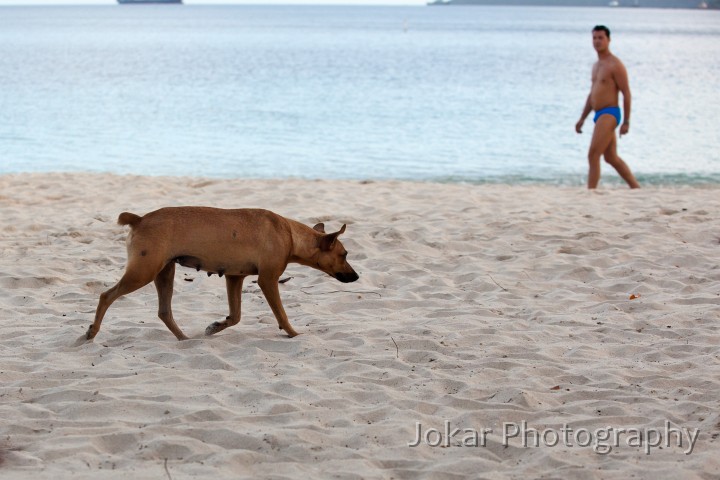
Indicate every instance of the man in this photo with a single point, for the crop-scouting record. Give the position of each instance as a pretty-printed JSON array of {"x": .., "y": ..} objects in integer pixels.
[{"x": 609, "y": 78}]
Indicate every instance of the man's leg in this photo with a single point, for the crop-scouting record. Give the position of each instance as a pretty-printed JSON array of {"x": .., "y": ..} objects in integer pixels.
[
  {"x": 618, "y": 164},
  {"x": 603, "y": 135}
]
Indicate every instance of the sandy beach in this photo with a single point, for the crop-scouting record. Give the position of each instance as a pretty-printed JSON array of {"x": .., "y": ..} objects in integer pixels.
[{"x": 481, "y": 312}]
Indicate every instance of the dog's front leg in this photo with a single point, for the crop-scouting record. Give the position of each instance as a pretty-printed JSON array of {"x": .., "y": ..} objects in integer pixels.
[
  {"x": 234, "y": 285},
  {"x": 269, "y": 286}
]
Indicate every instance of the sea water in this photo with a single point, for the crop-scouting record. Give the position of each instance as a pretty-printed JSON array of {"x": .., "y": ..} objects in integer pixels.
[{"x": 468, "y": 94}]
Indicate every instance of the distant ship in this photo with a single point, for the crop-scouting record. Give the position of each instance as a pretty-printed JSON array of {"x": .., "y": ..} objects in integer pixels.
[{"x": 141, "y": 2}]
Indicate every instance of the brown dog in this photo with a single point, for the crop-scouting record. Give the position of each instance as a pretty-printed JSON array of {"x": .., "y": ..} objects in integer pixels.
[{"x": 234, "y": 243}]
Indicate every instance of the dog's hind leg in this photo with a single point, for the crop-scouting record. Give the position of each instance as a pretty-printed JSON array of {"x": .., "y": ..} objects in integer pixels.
[
  {"x": 133, "y": 279},
  {"x": 164, "y": 285},
  {"x": 269, "y": 286},
  {"x": 234, "y": 291}
]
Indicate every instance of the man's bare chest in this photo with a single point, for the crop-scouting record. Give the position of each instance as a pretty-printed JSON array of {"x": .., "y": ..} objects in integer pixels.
[{"x": 603, "y": 75}]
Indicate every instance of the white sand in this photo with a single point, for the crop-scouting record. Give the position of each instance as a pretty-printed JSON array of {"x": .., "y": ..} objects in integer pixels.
[{"x": 477, "y": 305}]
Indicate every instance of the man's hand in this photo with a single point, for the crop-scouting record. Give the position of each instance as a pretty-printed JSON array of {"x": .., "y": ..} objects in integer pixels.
[
  {"x": 624, "y": 128},
  {"x": 578, "y": 126}
]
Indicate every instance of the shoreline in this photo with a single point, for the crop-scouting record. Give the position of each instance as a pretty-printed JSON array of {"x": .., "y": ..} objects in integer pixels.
[
  {"x": 608, "y": 179},
  {"x": 552, "y": 308}
]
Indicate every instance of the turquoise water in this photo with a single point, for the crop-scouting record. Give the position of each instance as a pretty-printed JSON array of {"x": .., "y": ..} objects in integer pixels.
[{"x": 471, "y": 94}]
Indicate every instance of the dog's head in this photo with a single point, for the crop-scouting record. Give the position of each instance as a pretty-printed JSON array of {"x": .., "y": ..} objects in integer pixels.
[{"x": 333, "y": 256}]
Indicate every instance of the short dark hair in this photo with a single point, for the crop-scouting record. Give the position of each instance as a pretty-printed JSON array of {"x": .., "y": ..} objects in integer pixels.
[{"x": 602, "y": 28}]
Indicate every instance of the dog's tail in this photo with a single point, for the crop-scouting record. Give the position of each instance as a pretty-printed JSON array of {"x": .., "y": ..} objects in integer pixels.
[{"x": 127, "y": 218}]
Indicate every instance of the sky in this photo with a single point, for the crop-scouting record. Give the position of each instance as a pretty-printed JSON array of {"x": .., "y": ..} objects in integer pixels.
[{"x": 224, "y": 2}]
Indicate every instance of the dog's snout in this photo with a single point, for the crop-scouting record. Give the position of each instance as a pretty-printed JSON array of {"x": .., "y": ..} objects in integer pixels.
[{"x": 347, "y": 277}]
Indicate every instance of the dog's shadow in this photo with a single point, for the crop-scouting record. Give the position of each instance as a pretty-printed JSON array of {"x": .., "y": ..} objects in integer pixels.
[
  {"x": 82, "y": 340},
  {"x": 191, "y": 340}
]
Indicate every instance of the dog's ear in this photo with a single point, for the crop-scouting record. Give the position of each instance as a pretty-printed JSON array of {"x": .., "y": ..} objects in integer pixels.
[
  {"x": 320, "y": 227},
  {"x": 327, "y": 242}
]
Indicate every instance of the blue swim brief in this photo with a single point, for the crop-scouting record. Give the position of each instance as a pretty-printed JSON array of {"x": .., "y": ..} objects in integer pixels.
[{"x": 614, "y": 111}]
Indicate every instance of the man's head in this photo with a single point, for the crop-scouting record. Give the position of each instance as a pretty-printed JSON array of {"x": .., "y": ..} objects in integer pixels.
[{"x": 601, "y": 38}]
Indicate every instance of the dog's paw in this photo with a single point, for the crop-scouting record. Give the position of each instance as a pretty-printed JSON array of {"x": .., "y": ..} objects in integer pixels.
[
  {"x": 90, "y": 334},
  {"x": 214, "y": 328}
]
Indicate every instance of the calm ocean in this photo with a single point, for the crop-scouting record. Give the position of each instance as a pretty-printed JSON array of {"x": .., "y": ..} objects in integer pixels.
[{"x": 471, "y": 94}]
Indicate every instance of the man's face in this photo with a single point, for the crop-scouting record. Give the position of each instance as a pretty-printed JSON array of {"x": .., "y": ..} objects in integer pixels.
[{"x": 600, "y": 40}]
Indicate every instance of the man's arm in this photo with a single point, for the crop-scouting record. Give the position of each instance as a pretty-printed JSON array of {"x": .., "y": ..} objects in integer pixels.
[
  {"x": 621, "y": 79},
  {"x": 586, "y": 111}
]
